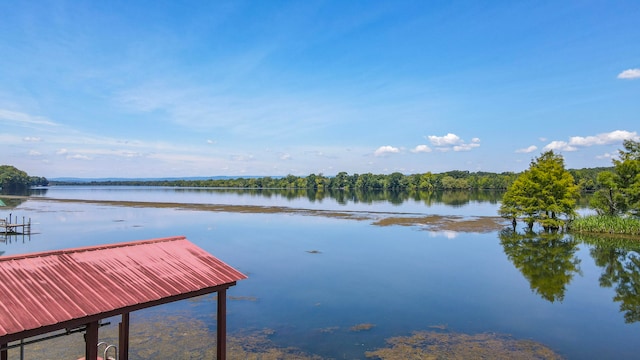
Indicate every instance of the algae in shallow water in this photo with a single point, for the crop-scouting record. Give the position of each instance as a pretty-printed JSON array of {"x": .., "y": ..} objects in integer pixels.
[
  {"x": 448, "y": 345},
  {"x": 183, "y": 337},
  {"x": 169, "y": 338}
]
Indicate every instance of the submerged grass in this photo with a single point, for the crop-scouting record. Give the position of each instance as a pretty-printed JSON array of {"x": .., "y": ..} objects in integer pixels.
[
  {"x": 606, "y": 225},
  {"x": 431, "y": 345},
  {"x": 170, "y": 338},
  {"x": 476, "y": 224},
  {"x": 179, "y": 337}
]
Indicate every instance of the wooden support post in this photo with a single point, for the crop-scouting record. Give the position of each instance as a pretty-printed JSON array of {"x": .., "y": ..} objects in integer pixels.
[
  {"x": 221, "y": 348},
  {"x": 91, "y": 341},
  {"x": 123, "y": 347}
]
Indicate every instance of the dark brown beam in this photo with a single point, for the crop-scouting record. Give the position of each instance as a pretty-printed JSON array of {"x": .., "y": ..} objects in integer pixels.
[
  {"x": 91, "y": 341},
  {"x": 221, "y": 335},
  {"x": 123, "y": 344}
]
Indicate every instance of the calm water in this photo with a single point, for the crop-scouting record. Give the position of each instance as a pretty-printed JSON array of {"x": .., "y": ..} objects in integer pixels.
[{"x": 402, "y": 279}]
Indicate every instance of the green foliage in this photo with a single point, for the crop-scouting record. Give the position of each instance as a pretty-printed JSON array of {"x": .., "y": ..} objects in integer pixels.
[
  {"x": 13, "y": 180},
  {"x": 587, "y": 177},
  {"x": 544, "y": 193},
  {"x": 38, "y": 181},
  {"x": 619, "y": 191},
  {"x": 609, "y": 224},
  {"x": 452, "y": 180}
]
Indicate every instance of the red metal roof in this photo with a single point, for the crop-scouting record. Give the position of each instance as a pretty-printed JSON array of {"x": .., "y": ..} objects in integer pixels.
[{"x": 42, "y": 292}]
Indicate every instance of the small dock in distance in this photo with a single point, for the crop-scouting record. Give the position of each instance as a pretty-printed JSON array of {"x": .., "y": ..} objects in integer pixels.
[{"x": 8, "y": 227}]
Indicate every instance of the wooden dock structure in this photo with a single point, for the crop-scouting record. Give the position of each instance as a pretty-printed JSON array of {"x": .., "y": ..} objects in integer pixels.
[{"x": 8, "y": 227}]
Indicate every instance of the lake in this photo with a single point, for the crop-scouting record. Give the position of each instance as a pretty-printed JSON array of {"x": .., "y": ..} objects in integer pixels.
[{"x": 329, "y": 277}]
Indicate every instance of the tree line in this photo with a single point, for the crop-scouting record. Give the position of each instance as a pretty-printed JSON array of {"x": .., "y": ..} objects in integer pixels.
[
  {"x": 451, "y": 180},
  {"x": 13, "y": 180}
]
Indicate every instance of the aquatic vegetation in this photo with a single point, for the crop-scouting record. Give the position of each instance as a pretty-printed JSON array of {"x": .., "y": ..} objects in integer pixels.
[
  {"x": 183, "y": 337},
  {"x": 607, "y": 224},
  {"x": 478, "y": 224},
  {"x": 169, "y": 338},
  {"x": 430, "y": 345},
  {"x": 362, "y": 327}
]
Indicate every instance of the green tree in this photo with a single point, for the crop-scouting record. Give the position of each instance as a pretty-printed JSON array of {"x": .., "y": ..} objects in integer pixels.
[
  {"x": 545, "y": 193},
  {"x": 619, "y": 191},
  {"x": 396, "y": 181},
  {"x": 311, "y": 182},
  {"x": 13, "y": 180},
  {"x": 340, "y": 181},
  {"x": 448, "y": 182},
  {"x": 608, "y": 200},
  {"x": 426, "y": 181}
]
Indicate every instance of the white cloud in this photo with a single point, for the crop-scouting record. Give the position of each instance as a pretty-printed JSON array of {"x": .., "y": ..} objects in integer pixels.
[
  {"x": 217, "y": 106},
  {"x": 465, "y": 147},
  {"x": 32, "y": 139},
  {"x": 242, "y": 157},
  {"x": 475, "y": 142},
  {"x": 212, "y": 142},
  {"x": 124, "y": 153},
  {"x": 285, "y": 156},
  {"x": 23, "y": 118},
  {"x": 630, "y": 74},
  {"x": 527, "y": 150},
  {"x": 605, "y": 156},
  {"x": 452, "y": 142},
  {"x": 34, "y": 153},
  {"x": 421, "y": 149},
  {"x": 559, "y": 146},
  {"x": 62, "y": 152},
  {"x": 443, "y": 141},
  {"x": 613, "y": 137},
  {"x": 383, "y": 150},
  {"x": 189, "y": 159},
  {"x": 78, "y": 157}
]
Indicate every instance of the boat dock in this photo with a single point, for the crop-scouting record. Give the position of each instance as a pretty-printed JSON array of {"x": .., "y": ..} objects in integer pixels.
[{"x": 8, "y": 227}]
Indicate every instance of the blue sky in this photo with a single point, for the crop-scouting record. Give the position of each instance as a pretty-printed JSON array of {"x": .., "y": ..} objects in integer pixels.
[{"x": 206, "y": 88}]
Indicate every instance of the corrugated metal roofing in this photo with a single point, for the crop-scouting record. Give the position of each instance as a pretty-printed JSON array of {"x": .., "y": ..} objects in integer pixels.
[{"x": 44, "y": 290}]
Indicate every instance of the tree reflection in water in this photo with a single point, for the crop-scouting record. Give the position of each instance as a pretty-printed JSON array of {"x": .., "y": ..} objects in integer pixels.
[
  {"x": 547, "y": 260},
  {"x": 455, "y": 198},
  {"x": 620, "y": 263}
]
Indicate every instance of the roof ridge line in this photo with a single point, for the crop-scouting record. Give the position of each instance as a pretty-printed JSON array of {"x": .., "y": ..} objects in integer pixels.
[{"x": 91, "y": 248}]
